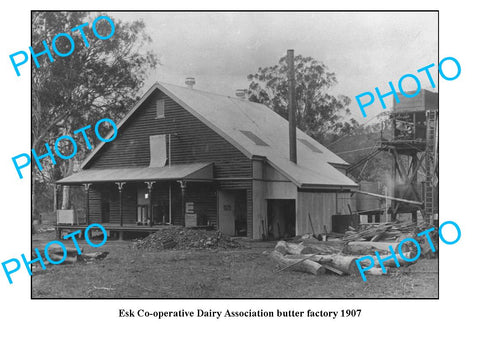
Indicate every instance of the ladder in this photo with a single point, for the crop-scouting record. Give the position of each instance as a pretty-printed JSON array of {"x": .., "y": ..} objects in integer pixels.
[{"x": 431, "y": 179}]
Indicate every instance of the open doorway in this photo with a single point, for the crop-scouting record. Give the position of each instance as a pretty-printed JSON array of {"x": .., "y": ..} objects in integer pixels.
[
  {"x": 281, "y": 218},
  {"x": 232, "y": 212},
  {"x": 106, "y": 199}
]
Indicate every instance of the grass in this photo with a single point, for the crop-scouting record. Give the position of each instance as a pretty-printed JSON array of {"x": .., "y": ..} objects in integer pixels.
[{"x": 240, "y": 273}]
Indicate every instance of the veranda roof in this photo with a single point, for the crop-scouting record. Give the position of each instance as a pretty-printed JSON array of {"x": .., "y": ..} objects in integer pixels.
[{"x": 192, "y": 171}]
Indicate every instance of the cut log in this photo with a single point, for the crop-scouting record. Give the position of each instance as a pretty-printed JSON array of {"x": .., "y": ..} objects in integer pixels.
[
  {"x": 388, "y": 263},
  {"x": 306, "y": 266},
  {"x": 409, "y": 246},
  {"x": 321, "y": 247},
  {"x": 346, "y": 264},
  {"x": 295, "y": 249},
  {"x": 391, "y": 262},
  {"x": 365, "y": 263},
  {"x": 56, "y": 249},
  {"x": 360, "y": 250},
  {"x": 332, "y": 269},
  {"x": 68, "y": 259},
  {"x": 315, "y": 258},
  {"x": 281, "y": 247},
  {"x": 290, "y": 248},
  {"x": 376, "y": 245}
]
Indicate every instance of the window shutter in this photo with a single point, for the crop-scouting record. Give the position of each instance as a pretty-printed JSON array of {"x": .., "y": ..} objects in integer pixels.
[{"x": 161, "y": 108}]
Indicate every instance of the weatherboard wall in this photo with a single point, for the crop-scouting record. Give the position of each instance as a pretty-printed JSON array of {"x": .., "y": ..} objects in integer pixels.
[
  {"x": 191, "y": 141},
  {"x": 317, "y": 206}
]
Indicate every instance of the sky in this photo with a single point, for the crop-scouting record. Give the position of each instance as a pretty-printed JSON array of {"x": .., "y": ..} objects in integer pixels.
[{"x": 364, "y": 49}]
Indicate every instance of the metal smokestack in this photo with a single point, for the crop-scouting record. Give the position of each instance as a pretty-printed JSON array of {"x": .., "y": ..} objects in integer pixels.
[{"x": 292, "y": 107}]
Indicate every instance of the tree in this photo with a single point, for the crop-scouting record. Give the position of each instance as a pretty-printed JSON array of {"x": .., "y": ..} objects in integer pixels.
[
  {"x": 100, "y": 81},
  {"x": 319, "y": 113},
  {"x": 322, "y": 115},
  {"x": 354, "y": 146}
]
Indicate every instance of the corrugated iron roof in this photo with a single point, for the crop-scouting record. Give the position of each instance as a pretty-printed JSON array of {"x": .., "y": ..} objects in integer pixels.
[
  {"x": 193, "y": 171},
  {"x": 230, "y": 116}
]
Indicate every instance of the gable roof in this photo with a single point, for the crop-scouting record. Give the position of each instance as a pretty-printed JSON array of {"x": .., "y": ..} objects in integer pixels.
[{"x": 231, "y": 117}]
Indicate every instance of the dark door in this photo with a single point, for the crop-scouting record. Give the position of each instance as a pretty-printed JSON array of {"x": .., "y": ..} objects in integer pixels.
[
  {"x": 105, "y": 207},
  {"x": 281, "y": 218}
]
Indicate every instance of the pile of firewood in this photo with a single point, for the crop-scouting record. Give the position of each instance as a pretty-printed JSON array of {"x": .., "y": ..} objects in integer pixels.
[
  {"x": 316, "y": 257},
  {"x": 313, "y": 257}
]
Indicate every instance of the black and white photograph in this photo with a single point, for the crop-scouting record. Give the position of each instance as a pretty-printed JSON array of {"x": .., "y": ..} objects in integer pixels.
[{"x": 226, "y": 156}]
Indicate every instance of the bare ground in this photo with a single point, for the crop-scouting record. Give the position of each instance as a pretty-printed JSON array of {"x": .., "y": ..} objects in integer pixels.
[{"x": 240, "y": 273}]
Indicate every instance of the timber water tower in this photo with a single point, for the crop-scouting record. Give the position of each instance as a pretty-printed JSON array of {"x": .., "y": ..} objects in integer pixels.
[{"x": 414, "y": 150}]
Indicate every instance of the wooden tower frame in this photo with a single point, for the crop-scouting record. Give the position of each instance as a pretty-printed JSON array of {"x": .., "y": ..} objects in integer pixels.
[{"x": 414, "y": 150}]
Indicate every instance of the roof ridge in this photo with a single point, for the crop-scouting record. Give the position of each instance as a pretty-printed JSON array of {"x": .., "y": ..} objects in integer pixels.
[{"x": 211, "y": 93}]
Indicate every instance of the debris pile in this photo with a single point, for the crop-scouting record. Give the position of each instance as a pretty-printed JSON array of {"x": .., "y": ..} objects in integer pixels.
[
  {"x": 185, "y": 238},
  {"x": 367, "y": 240},
  {"x": 314, "y": 257},
  {"x": 383, "y": 231},
  {"x": 394, "y": 232}
]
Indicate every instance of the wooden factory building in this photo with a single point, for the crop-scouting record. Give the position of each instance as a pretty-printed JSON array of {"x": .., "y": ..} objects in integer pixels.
[{"x": 189, "y": 157}]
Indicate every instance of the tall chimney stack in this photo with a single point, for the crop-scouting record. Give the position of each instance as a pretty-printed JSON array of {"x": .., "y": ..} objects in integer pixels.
[{"x": 292, "y": 107}]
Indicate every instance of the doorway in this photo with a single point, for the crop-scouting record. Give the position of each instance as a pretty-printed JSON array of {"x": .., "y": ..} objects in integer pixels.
[
  {"x": 281, "y": 218},
  {"x": 106, "y": 202},
  {"x": 232, "y": 212},
  {"x": 143, "y": 214}
]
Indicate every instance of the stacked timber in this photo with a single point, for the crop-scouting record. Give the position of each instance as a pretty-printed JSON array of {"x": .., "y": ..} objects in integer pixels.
[
  {"x": 386, "y": 231},
  {"x": 316, "y": 257},
  {"x": 368, "y": 237},
  {"x": 376, "y": 240}
]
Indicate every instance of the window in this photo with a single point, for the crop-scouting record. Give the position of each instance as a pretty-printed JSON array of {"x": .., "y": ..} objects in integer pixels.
[
  {"x": 310, "y": 145},
  {"x": 161, "y": 108},
  {"x": 254, "y": 138}
]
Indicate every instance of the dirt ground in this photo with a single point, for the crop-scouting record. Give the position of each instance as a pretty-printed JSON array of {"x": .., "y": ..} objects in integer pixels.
[{"x": 213, "y": 273}]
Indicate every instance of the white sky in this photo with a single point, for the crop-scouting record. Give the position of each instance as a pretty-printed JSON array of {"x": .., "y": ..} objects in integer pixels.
[{"x": 364, "y": 49}]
